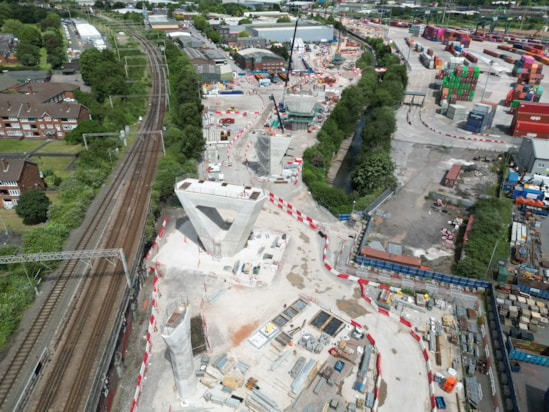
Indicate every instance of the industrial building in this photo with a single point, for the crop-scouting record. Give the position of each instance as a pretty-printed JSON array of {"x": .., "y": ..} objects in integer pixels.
[
  {"x": 259, "y": 59},
  {"x": 284, "y": 32},
  {"x": 533, "y": 156},
  {"x": 86, "y": 31}
]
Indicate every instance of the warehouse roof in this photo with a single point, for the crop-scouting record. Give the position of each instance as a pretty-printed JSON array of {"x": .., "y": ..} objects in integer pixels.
[
  {"x": 194, "y": 53},
  {"x": 540, "y": 148},
  {"x": 254, "y": 52},
  {"x": 86, "y": 30}
]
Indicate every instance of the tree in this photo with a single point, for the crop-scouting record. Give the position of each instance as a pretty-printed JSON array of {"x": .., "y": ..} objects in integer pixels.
[
  {"x": 56, "y": 58},
  {"x": 85, "y": 126},
  {"x": 52, "y": 40},
  {"x": 244, "y": 21},
  {"x": 51, "y": 20},
  {"x": 281, "y": 50},
  {"x": 33, "y": 207},
  {"x": 243, "y": 33},
  {"x": 27, "y": 54},
  {"x": 375, "y": 171},
  {"x": 14, "y": 27},
  {"x": 284, "y": 19},
  {"x": 31, "y": 35}
]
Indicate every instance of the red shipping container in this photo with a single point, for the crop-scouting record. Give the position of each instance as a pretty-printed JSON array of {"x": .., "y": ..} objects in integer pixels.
[
  {"x": 532, "y": 117},
  {"x": 533, "y": 135},
  {"x": 532, "y": 127},
  {"x": 529, "y": 107}
]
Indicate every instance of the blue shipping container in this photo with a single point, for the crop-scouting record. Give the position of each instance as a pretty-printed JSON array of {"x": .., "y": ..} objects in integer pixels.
[{"x": 529, "y": 357}]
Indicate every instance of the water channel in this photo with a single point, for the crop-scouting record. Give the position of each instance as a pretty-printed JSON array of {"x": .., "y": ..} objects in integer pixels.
[{"x": 344, "y": 174}]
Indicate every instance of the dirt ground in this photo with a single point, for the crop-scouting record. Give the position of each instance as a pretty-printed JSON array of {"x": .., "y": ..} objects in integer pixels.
[{"x": 420, "y": 169}]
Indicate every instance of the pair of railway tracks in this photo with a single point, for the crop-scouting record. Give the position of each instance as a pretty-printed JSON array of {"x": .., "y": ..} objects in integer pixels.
[{"x": 72, "y": 378}]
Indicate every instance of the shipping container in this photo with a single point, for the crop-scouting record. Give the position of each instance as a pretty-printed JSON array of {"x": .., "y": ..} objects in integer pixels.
[
  {"x": 522, "y": 116},
  {"x": 541, "y": 108},
  {"x": 531, "y": 127},
  {"x": 451, "y": 177}
]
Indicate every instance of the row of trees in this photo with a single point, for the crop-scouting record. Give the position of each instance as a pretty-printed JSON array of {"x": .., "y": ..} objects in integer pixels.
[
  {"x": 183, "y": 138},
  {"x": 374, "y": 171}
]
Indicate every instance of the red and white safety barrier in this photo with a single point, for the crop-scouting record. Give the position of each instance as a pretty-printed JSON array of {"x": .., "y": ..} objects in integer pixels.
[
  {"x": 152, "y": 328},
  {"x": 495, "y": 140},
  {"x": 362, "y": 284},
  {"x": 158, "y": 238},
  {"x": 289, "y": 209}
]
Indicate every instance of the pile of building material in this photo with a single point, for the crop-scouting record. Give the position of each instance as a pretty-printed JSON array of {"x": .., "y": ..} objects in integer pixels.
[{"x": 521, "y": 316}]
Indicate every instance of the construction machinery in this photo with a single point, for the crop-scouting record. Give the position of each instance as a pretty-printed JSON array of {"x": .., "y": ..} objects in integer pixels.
[
  {"x": 492, "y": 21},
  {"x": 425, "y": 15}
]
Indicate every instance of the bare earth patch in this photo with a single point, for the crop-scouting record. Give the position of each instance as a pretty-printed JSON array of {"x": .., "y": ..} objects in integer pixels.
[
  {"x": 296, "y": 280},
  {"x": 351, "y": 307},
  {"x": 243, "y": 333}
]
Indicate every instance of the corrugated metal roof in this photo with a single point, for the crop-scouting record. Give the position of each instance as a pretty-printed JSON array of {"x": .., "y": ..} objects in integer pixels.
[{"x": 194, "y": 53}]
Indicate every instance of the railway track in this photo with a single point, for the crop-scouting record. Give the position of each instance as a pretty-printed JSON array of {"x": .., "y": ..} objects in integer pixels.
[{"x": 77, "y": 364}]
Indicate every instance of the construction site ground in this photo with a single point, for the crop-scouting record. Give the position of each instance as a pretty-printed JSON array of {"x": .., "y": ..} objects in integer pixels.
[{"x": 233, "y": 312}]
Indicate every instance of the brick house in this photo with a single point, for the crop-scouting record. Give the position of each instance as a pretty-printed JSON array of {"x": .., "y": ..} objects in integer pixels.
[
  {"x": 25, "y": 116},
  {"x": 16, "y": 177},
  {"x": 259, "y": 59}
]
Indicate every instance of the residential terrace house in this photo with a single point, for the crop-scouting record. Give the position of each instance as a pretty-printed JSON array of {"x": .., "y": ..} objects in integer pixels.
[{"x": 16, "y": 177}]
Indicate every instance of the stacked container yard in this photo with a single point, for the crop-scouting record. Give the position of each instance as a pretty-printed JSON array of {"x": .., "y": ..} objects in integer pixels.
[
  {"x": 462, "y": 37},
  {"x": 434, "y": 33},
  {"x": 456, "y": 112},
  {"x": 528, "y": 71},
  {"x": 417, "y": 29},
  {"x": 523, "y": 92},
  {"x": 469, "y": 56},
  {"x": 460, "y": 84},
  {"x": 427, "y": 60},
  {"x": 531, "y": 120},
  {"x": 430, "y": 61},
  {"x": 477, "y": 37},
  {"x": 481, "y": 117},
  {"x": 455, "y": 62}
]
